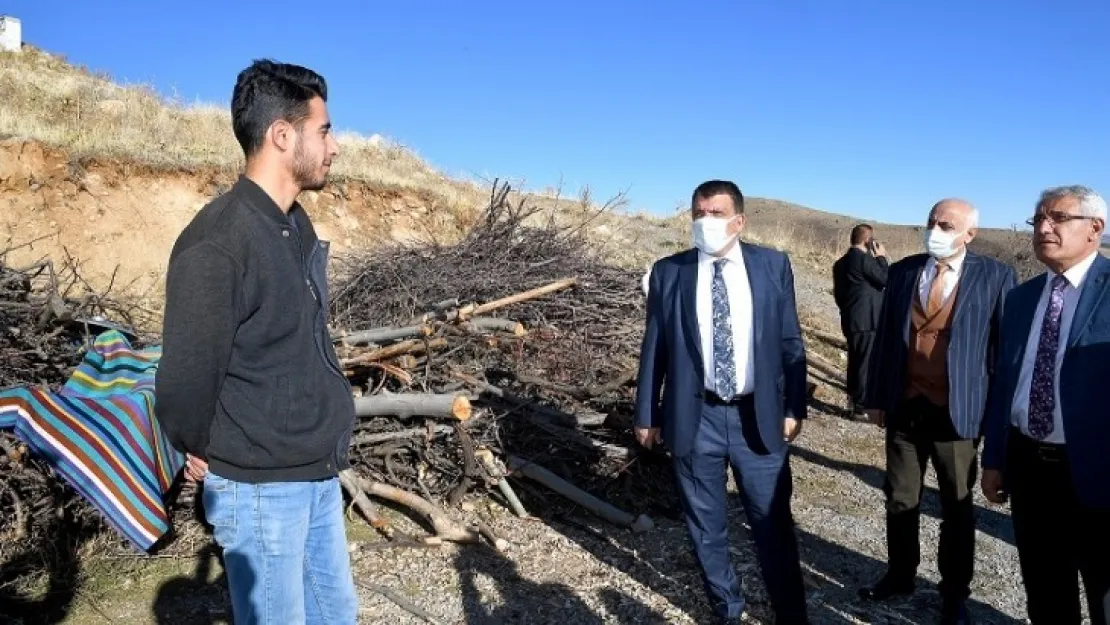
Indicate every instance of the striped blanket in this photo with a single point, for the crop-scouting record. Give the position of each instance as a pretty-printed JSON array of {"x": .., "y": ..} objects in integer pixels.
[{"x": 99, "y": 433}]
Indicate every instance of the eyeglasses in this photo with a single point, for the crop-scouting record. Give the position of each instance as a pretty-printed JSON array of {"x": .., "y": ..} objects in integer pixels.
[{"x": 1055, "y": 217}]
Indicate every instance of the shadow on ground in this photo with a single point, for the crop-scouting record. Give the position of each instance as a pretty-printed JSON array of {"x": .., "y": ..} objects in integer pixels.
[
  {"x": 662, "y": 560},
  {"x": 990, "y": 522},
  {"x": 200, "y": 598},
  {"x": 57, "y": 560},
  {"x": 518, "y": 600},
  {"x": 197, "y": 599}
]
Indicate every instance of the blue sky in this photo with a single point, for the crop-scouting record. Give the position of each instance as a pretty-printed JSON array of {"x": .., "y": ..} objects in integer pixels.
[{"x": 874, "y": 109}]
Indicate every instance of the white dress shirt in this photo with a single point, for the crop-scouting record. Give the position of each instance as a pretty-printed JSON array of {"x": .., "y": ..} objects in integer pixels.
[
  {"x": 1019, "y": 413},
  {"x": 740, "y": 308},
  {"x": 951, "y": 278}
]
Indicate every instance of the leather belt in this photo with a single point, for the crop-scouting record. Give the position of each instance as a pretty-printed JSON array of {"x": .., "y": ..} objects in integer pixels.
[
  {"x": 1047, "y": 452},
  {"x": 714, "y": 399}
]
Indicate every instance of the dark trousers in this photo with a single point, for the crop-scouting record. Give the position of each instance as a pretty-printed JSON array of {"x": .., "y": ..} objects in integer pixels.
[
  {"x": 859, "y": 352},
  {"x": 727, "y": 436},
  {"x": 1058, "y": 539},
  {"x": 917, "y": 432}
]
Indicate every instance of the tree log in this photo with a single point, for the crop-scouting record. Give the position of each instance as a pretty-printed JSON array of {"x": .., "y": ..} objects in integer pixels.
[
  {"x": 479, "y": 324},
  {"x": 446, "y": 304},
  {"x": 469, "y": 311},
  {"x": 444, "y": 526},
  {"x": 379, "y": 335},
  {"x": 404, "y": 347},
  {"x": 601, "y": 508},
  {"x": 825, "y": 367},
  {"x": 828, "y": 338},
  {"x": 450, "y": 405},
  {"x": 556, "y": 415}
]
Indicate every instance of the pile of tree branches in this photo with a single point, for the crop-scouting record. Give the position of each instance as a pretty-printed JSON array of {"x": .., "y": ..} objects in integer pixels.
[
  {"x": 47, "y": 315},
  {"x": 510, "y": 353}
]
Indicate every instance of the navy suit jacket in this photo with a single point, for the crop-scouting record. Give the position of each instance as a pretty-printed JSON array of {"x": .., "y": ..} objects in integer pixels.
[
  {"x": 1083, "y": 398},
  {"x": 670, "y": 391},
  {"x": 973, "y": 339}
]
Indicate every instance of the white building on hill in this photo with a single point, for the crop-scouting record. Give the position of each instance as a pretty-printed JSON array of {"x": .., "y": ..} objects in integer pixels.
[{"x": 11, "y": 34}]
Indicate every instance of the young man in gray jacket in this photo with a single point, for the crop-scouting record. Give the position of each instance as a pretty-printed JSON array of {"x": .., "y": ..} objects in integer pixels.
[{"x": 249, "y": 386}]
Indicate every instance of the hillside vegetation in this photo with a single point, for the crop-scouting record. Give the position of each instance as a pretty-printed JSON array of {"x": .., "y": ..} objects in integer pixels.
[{"x": 110, "y": 174}]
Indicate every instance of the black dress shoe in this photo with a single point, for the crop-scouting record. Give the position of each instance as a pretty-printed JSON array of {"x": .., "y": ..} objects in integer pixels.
[
  {"x": 887, "y": 588},
  {"x": 955, "y": 614}
]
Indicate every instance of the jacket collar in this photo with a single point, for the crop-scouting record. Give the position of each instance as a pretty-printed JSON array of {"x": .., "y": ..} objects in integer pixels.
[{"x": 261, "y": 201}]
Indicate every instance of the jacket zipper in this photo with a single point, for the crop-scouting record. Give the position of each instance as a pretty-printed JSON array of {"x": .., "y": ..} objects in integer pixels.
[{"x": 337, "y": 452}]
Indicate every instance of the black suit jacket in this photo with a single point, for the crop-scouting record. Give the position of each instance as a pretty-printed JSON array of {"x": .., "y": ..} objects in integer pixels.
[{"x": 858, "y": 282}]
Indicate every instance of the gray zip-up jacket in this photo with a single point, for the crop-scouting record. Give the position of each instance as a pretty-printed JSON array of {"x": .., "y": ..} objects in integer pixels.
[{"x": 248, "y": 378}]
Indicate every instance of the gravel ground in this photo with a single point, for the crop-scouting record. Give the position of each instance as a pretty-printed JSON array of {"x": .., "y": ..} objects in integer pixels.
[{"x": 576, "y": 570}]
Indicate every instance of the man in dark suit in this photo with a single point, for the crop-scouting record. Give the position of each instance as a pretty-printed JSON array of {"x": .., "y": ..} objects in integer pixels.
[
  {"x": 722, "y": 382},
  {"x": 931, "y": 374},
  {"x": 859, "y": 277},
  {"x": 1047, "y": 444}
]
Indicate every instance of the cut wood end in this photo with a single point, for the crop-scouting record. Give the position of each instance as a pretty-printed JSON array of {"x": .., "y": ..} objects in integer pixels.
[
  {"x": 518, "y": 329},
  {"x": 461, "y": 408}
]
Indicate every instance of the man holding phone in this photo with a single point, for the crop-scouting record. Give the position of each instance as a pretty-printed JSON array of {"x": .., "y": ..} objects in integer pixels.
[{"x": 859, "y": 277}]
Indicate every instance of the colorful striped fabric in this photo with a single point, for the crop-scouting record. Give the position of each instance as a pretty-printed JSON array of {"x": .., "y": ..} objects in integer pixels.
[{"x": 99, "y": 433}]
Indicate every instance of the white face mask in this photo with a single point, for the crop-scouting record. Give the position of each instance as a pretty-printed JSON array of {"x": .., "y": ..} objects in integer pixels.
[
  {"x": 711, "y": 234},
  {"x": 939, "y": 243}
]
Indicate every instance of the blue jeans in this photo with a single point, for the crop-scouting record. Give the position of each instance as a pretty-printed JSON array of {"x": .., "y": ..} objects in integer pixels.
[{"x": 285, "y": 551}]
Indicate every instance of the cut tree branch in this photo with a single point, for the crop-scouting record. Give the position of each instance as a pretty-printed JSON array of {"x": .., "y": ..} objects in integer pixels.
[
  {"x": 381, "y": 335},
  {"x": 601, "y": 508},
  {"x": 445, "y": 528},
  {"x": 405, "y": 347},
  {"x": 449, "y": 405}
]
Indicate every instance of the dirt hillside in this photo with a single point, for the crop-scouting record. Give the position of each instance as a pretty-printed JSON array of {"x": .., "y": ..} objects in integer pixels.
[{"x": 121, "y": 217}]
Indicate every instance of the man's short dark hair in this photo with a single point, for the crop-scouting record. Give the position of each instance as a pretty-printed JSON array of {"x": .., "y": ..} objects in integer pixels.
[
  {"x": 709, "y": 188},
  {"x": 860, "y": 234},
  {"x": 268, "y": 91}
]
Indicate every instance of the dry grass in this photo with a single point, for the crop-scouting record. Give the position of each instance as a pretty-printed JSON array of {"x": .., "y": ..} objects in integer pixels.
[
  {"x": 90, "y": 117},
  {"x": 45, "y": 98}
]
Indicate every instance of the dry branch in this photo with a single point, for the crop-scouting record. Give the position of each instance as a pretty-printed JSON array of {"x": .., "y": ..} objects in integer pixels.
[
  {"x": 834, "y": 340},
  {"x": 485, "y": 456},
  {"x": 445, "y": 528},
  {"x": 480, "y": 324},
  {"x": 454, "y": 406},
  {"x": 382, "y": 335},
  {"x": 521, "y": 297},
  {"x": 601, "y": 508},
  {"x": 392, "y": 351},
  {"x": 820, "y": 364}
]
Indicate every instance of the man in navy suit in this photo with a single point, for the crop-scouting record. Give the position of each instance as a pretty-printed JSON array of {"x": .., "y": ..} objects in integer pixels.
[
  {"x": 722, "y": 382},
  {"x": 929, "y": 381},
  {"x": 1047, "y": 444}
]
